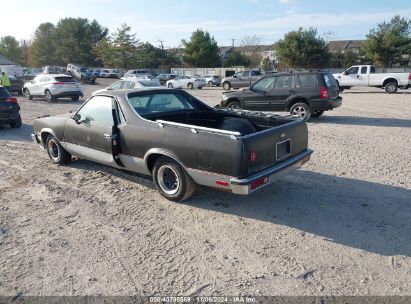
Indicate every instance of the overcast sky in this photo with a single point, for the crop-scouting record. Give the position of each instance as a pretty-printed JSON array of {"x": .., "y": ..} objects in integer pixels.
[{"x": 171, "y": 21}]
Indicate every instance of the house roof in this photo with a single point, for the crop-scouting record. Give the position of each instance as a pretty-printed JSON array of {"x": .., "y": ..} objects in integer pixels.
[
  {"x": 342, "y": 45},
  {"x": 5, "y": 61}
]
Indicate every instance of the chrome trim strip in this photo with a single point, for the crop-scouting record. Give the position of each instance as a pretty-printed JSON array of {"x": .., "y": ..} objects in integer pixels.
[
  {"x": 176, "y": 124},
  {"x": 209, "y": 178}
]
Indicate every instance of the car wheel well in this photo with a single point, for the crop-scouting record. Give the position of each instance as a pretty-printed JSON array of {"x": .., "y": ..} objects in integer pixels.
[
  {"x": 387, "y": 81},
  {"x": 151, "y": 160},
  {"x": 44, "y": 136},
  {"x": 294, "y": 101}
]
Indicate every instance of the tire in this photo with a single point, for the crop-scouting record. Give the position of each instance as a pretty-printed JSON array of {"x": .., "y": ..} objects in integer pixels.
[
  {"x": 391, "y": 87},
  {"x": 317, "y": 113},
  {"x": 234, "y": 105},
  {"x": 190, "y": 86},
  {"x": 17, "y": 123},
  {"x": 56, "y": 152},
  {"x": 27, "y": 95},
  {"x": 301, "y": 109},
  {"x": 170, "y": 85},
  {"x": 49, "y": 96},
  {"x": 210, "y": 83},
  {"x": 75, "y": 98},
  {"x": 226, "y": 86},
  {"x": 171, "y": 180},
  {"x": 199, "y": 88}
]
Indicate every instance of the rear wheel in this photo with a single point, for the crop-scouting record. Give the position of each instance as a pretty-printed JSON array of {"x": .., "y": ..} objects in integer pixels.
[
  {"x": 49, "y": 96},
  {"x": 27, "y": 95},
  {"x": 226, "y": 85},
  {"x": 16, "y": 123},
  {"x": 170, "y": 85},
  {"x": 301, "y": 109},
  {"x": 171, "y": 180},
  {"x": 56, "y": 152},
  {"x": 210, "y": 83},
  {"x": 317, "y": 113},
  {"x": 190, "y": 86},
  {"x": 391, "y": 87}
]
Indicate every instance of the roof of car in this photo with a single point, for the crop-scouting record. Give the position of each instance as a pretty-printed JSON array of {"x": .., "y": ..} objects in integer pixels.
[
  {"x": 55, "y": 75},
  {"x": 123, "y": 93}
]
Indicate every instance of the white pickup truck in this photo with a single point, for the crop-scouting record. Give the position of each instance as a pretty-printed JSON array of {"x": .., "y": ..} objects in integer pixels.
[{"x": 364, "y": 75}]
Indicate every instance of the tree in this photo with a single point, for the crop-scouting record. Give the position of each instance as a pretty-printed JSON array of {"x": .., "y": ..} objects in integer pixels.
[
  {"x": 236, "y": 59},
  {"x": 388, "y": 42},
  {"x": 344, "y": 59},
  {"x": 75, "y": 40},
  {"x": 104, "y": 51},
  {"x": 125, "y": 46},
  {"x": 42, "y": 50},
  {"x": 304, "y": 49},
  {"x": 202, "y": 50},
  {"x": 267, "y": 64},
  {"x": 10, "y": 48},
  {"x": 251, "y": 48}
]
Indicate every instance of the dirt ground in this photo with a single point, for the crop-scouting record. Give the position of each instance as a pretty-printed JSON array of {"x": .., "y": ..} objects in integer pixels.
[{"x": 339, "y": 226}]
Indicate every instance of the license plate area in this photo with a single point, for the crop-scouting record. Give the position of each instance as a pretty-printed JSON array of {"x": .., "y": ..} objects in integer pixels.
[{"x": 283, "y": 149}]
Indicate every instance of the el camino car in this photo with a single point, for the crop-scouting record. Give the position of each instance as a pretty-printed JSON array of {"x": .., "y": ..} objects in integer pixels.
[{"x": 178, "y": 140}]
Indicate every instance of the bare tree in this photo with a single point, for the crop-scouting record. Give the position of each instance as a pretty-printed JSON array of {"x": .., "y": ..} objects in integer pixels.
[{"x": 250, "y": 46}]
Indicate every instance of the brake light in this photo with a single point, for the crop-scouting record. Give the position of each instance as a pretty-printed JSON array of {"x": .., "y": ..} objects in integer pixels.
[
  {"x": 11, "y": 99},
  {"x": 58, "y": 83},
  {"x": 221, "y": 183},
  {"x": 253, "y": 156},
  {"x": 324, "y": 93},
  {"x": 409, "y": 77}
]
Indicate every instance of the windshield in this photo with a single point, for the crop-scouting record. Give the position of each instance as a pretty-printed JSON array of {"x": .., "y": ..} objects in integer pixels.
[
  {"x": 149, "y": 104},
  {"x": 149, "y": 83},
  {"x": 64, "y": 79}
]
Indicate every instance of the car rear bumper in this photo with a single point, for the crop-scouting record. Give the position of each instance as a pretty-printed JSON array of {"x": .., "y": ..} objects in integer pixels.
[
  {"x": 325, "y": 105},
  {"x": 265, "y": 177},
  {"x": 67, "y": 94},
  {"x": 7, "y": 117}
]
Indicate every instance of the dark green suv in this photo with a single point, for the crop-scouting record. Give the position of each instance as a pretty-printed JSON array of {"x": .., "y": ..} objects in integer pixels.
[{"x": 306, "y": 94}]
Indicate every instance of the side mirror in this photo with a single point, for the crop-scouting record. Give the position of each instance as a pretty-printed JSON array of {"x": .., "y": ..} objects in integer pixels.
[
  {"x": 346, "y": 73},
  {"x": 76, "y": 117}
]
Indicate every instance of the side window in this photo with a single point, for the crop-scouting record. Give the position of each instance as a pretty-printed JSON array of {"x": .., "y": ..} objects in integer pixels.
[
  {"x": 284, "y": 82},
  {"x": 264, "y": 85},
  {"x": 246, "y": 73},
  {"x": 372, "y": 70},
  {"x": 146, "y": 104},
  {"x": 364, "y": 70},
  {"x": 308, "y": 80},
  {"x": 128, "y": 85},
  {"x": 352, "y": 71},
  {"x": 255, "y": 73},
  {"x": 98, "y": 110},
  {"x": 117, "y": 85}
]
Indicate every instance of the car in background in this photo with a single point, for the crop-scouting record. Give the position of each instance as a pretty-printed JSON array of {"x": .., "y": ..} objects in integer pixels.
[
  {"x": 213, "y": 80},
  {"x": 49, "y": 69},
  {"x": 242, "y": 79},
  {"x": 96, "y": 73},
  {"x": 53, "y": 87},
  {"x": 30, "y": 73},
  {"x": 163, "y": 78},
  {"x": 137, "y": 72},
  {"x": 9, "y": 109},
  {"x": 16, "y": 84},
  {"x": 186, "y": 82},
  {"x": 114, "y": 73},
  {"x": 305, "y": 94},
  {"x": 81, "y": 73},
  {"x": 138, "y": 76},
  {"x": 130, "y": 83}
]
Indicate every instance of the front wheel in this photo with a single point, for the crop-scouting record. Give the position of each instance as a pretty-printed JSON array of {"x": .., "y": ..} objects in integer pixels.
[
  {"x": 234, "y": 105},
  {"x": 56, "y": 152},
  {"x": 171, "y": 180},
  {"x": 75, "y": 98},
  {"x": 210, "y": 83},
  {"x": 226, "y": 86},
  {"x": 317, "y": 113},
  {"x": 27, "y": 95},
  {"x": 170, "y": 85},
  {"x": 190, "y": 86},
  {"x": 49, "y": 96},
  {"x": 391, "y": 88},
  {"x": 301, "y": 109}
]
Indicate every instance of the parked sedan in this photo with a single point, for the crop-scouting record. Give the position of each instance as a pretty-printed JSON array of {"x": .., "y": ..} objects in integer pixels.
[
  {"x": 131, "y": 83},
  {"x": 186, "y": 82},
  {"x": 53, "y": 87},
  {"x": 213, "y": 80},
  {"x": 9, "y": 109},
  {"x": 163, "y": 78}
]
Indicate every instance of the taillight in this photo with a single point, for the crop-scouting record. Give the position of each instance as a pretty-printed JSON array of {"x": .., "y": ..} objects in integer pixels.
[
  {"x": 252, "y": 156},
  {"x": 11, "y": 99},
  {"x": 58, "y": 83},
  {"x": 409, "y": 77},
  {"x": 324, "y": 93}
]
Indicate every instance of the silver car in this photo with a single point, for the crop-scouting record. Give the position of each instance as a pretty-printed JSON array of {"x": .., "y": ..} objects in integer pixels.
[
  {"x": 186, "y": 82},
  {"x": 130, "y": 83}
]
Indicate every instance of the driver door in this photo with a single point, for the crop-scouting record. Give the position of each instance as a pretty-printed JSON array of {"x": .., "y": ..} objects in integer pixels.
[
  {"x": 91, "y": 136},
  {"x": 258, "y": 98}
]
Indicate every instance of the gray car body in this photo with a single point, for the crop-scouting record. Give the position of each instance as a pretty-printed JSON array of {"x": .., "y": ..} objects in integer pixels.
[
  {"x": 242, "y": 79},
  {"x": 207, "y": 154}
]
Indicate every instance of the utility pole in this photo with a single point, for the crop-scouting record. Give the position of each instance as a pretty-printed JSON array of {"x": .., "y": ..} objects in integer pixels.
[{"x": 233, "y": 41}]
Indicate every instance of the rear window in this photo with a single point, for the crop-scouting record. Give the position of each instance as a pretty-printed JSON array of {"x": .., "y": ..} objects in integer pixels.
[
  {"x": 4, "y": 92},
  {"x": 64, "y": 79},
  {"x": 329, "y": 80},
  {"x": 308, "y": 80}
]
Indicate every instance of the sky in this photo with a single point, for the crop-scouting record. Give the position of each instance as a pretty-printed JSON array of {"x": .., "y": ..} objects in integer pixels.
[{"x": 170, "y": 21}]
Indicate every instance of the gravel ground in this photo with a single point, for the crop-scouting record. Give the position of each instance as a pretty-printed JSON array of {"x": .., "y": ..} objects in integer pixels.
[{"x": 339, "y": 226}]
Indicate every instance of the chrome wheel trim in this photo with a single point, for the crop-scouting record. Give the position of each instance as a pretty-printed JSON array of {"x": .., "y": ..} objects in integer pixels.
[
  {"x": 53, "y": 149},
  {"x": 234, "y": 106},
  {"x": 26, "y": 94},
  {"x": 300, "y": 111},
  {"x": 391, "y": 88},
  {"x": 168, "y": 180},
  {"x": 48, "y": 96}
]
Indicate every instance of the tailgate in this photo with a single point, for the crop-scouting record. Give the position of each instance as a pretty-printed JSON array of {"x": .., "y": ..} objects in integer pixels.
[{"x": 275, "y": 145}]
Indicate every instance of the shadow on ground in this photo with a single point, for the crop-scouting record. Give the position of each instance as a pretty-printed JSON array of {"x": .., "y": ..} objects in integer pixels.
[
  {"x": 364, "y": 121},
  {"x": 19, "y": 134}
]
